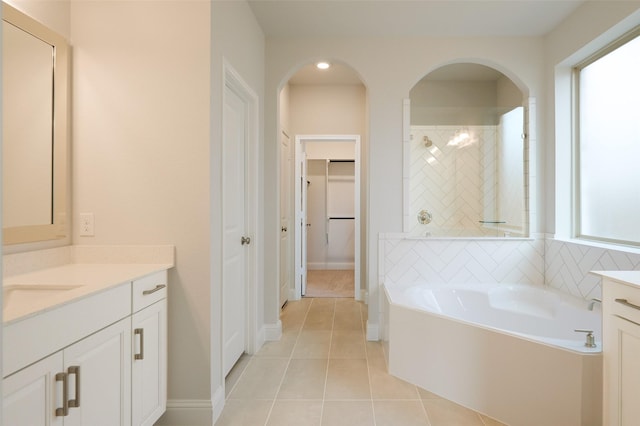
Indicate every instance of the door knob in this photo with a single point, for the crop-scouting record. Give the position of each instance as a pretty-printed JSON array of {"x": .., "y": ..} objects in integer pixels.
[{"x": 245, "y": 240}]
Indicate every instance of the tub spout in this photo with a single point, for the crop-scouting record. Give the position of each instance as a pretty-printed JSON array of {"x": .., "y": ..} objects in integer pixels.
[{"x": 593, "y": 302}]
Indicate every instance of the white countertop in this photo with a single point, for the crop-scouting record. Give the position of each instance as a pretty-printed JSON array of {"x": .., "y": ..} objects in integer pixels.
[
  {"x": 631, "y": 278},
  {"x": 88, "y": 278}
]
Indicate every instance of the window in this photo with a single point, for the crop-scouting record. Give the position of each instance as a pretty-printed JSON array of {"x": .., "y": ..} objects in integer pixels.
[{"x": 607, "y": 172}]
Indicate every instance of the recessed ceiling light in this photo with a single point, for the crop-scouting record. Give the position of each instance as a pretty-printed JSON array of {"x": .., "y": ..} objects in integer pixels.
[{"x": 323, "y": 65}]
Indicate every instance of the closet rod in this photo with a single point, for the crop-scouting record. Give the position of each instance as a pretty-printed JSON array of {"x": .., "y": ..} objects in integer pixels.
[
  {"x": 342, "y": 161},
  {"x": 341, "y": 218}
]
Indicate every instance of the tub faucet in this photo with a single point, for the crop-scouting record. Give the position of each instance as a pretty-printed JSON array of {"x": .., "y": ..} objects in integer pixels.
[
  {"x": 593, "y": 302},
  {"x": 591, "y": 341}
]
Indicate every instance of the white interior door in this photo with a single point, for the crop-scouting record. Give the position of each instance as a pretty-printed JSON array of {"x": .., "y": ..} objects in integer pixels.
[
  {"x": 303, "y": 225},
  {"x": 301, "y": 219},
  {"x": 285, "y": 206},
  {"x": 234, "y": 273}
]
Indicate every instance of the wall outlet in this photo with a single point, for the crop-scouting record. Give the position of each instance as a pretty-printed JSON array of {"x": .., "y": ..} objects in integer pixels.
[{"x": 86, "y": 224}]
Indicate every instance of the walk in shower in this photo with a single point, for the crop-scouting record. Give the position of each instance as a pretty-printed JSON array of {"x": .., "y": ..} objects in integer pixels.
[{"x": 466, "y": 159}]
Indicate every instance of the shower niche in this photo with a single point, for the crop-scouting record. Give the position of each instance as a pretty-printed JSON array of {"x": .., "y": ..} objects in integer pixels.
[{"x": 466, "y": 150}]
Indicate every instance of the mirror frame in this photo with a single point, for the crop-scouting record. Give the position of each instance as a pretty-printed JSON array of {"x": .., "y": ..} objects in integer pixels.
[{"x": 60, "y": 134}]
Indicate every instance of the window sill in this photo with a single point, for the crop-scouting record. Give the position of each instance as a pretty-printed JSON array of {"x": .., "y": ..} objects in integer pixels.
[{"x": 602, "y": 245}]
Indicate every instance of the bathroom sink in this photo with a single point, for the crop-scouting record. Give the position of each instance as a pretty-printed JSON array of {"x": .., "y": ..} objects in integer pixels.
[{"x": 15, "y": 296}]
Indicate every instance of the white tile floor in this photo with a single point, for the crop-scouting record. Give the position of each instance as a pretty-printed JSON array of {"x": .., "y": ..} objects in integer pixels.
[{"x": 324, "y": 372}]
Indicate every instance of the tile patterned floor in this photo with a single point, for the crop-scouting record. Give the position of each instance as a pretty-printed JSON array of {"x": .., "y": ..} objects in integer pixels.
[
  {"x": 330, "y": 283},
  {"x": 324, "y": 372}
]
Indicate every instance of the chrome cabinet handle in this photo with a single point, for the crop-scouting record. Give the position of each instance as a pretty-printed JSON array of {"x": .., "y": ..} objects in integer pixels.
[
  {"x": 245, "y": 240},
  {"x": 625, "y": 302},
  {"x": 64, "y": 410},
  {"x": 153, "y": 290},
  {"x": 75, "y": 370},
  {"x": 139, "y": 332}
]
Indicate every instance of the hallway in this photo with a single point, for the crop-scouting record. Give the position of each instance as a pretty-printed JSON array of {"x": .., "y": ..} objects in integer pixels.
[
  {"x": 324, "y": 372},
  {"x": 330, "y": 283}
]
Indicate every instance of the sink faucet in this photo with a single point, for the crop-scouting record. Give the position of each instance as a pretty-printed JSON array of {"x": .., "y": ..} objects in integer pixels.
[{"x": 593, "y": 302}]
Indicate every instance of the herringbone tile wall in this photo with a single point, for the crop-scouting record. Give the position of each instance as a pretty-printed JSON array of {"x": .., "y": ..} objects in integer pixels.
[
  {"x": 462, "y": 260},
  {"x": 568, "y": 266},
  {"x": 455, "y": 183},
  {"x": 459, "y": 184},
  {"x": 539, "y": 261}
]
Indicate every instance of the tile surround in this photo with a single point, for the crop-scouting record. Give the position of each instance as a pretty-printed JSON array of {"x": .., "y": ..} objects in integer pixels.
[
  {"x": 568, "y": 266},
  {"x": 462, "y": 260},
  {"x": 541, "y": 260},
  {"x": 459, "y": 184}
]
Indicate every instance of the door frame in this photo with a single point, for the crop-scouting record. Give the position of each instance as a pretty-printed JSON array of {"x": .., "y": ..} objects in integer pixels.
[
  {"x": 284, "y": 227},
  {"x": 233, "y": 81},
  {"x": 300, "y": 140}
]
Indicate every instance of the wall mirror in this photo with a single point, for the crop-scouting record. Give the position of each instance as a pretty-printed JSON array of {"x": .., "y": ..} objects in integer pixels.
[
  {"x": 34, "y": 130},
  {"x": 466, "y": 153}
]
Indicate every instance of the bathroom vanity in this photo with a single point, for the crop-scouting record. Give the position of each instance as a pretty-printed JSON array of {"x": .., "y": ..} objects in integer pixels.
[
  {"x": 86, "y": 344},
  {"x": 84, "y": 327},
  {"x": 621, "y": 346}
]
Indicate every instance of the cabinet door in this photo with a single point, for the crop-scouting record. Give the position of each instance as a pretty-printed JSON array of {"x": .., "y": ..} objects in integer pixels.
[
  {"x": 99, "y": 370},
  {"x": 624, "y": 372},
  {"x": 31, "y": 396},
  {"x": 149, "y": 369}
]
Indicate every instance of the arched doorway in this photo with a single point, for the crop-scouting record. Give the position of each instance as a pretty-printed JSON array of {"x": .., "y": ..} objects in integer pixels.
[{"x": 326, "y": 104}]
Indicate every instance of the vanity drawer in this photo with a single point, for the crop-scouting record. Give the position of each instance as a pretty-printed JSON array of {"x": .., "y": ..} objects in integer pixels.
[
  {"x": 148, "y": 290},
  {"x": 38, "y": 336},
  {"x": 622, "y": 300}
]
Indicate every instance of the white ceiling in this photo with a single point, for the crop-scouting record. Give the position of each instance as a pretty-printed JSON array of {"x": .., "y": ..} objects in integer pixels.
[
  {"x": 389, "y": 18},
  {"x": 336, "y": 75},
  {"x": 397, "y": 18}
]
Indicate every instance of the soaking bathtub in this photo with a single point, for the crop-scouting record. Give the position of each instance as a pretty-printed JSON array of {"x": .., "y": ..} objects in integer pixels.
[{"x": 506, "y": 350}]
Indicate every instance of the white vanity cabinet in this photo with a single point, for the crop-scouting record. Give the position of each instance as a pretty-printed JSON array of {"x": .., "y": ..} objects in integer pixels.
[
  {"x": 621, "y": 348},
  {"x": 29, "y": 395},
  {"x": 96, "y": 372},
  {"x": 149, "y": 368},
  {"x": 100, "y": 360}
]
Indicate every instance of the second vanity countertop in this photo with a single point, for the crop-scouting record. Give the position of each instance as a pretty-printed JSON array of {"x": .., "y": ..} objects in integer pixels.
[
  {"x": 631, "y": 278},
  {"x": 50, "y": 288},
  {"x": 53, "y": 298}
]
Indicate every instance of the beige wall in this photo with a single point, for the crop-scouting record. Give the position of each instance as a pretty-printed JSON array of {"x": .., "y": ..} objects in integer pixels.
[
  {"x": 146, "y": 134},
  {"x": 147, "y": 106},
  {"x": 141, "y": 134},
  {"x": 389, "y": 68},
  {"x": 238, "y": 40},
  {"x": 332, "y": 109},
  {"x": 323, "y": 110},
  {"x": 591, "y": 26}
]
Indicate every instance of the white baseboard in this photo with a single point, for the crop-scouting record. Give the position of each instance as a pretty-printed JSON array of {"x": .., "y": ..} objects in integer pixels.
[
  {"x": 364, "y": 296},
  {"x": 293, "y": 294},
  {"x": 218, "y": 403},
  {"x": 373, "y": 332},
  {"x": 272, "y": 332},
  {"x": 189, "y": 412}
]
